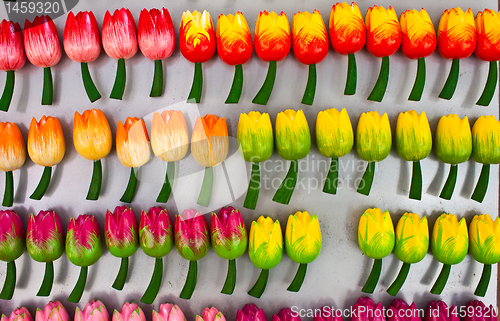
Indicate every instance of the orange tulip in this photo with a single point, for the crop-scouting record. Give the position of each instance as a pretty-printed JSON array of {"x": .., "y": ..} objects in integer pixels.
[
  {"x": 12, "y": 157},
  {"x": 170, "y": 143},
  {"x": 209, "y": 146},
  {"x": 92, "y": 140}
]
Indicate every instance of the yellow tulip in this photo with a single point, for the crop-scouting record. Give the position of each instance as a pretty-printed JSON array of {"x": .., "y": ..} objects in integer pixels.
[
  {"x": 334, "y": 135},
  {"x": 413, "y": 136}
]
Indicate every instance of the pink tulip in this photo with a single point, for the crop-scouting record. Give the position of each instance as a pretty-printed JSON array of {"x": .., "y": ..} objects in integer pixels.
[
  {"x": 328, "y": 314},
  {"x": 119, "y": 40},
  {"x": 211, "y": 314},
  {"x": 19, "y": 314},
  {"x": 477, "y": 311},
  {"x": 93, "y": 311},
  {"x": 438, "y": 311},
  {"x": 366, "y": 310},
  {"x": 168, "y": 312},
  {"x": 129, "y": 312},
  {"x": 12, "y": 246},
  {"x": 250, "y": 312},
  {"x": 286, "y": 315},
  {"x": 12, "y": 55},
  {"x": 399, "y": 310},
  {"x": 53, "y": 311}
]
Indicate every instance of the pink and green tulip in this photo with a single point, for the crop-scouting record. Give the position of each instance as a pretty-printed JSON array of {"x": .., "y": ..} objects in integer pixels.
[
  {"x": 192, "y": 242},
  {"x": 250, "y": 312},
  {"x": 229, "y": 240},
  {"x": 211, "y": 314},
  {"x": 156, "y": 240},
  {"x": 121, "y": 235},
  {"x": 129, "y": 312},
  {"x": 83, "y": 248},
  {"x": 19, "y": 314},
  {"x": 45, "y": 243},
  {"x": 168, "y": 312},
  {"x": 11, "y": 248},
  {"x": 286, "y": 314},
  {"x": 53, "y": 311},
  {"x": 93, "y": 311}
]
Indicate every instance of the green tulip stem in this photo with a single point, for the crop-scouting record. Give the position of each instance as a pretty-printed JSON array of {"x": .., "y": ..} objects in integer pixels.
[
  {"x": 332, "y": 178},
  {"x": 440, "y": 283},
  {"x": 482, "y": 287},
  {"x": 43, "y": 184},
  {"x": 365, "y": 185},
  {"x": 400, "y": 280},
  {"x": 191, "y": 279},
  {"x": 298, "y": 279},
  {"x": 230, "y": 282},
  {"x": 154, "y": 285},
  {"x": 372, "y": 281},
  {"x": 48, "y": 280},
  {"x": 253, "y": 188},
  {"x": 310, "y": 91},
  {"x": 8, "y": 195},
  {"x": 258, "y": 289},
  {"x": 491, "y": 85},
  {"x": 378, "y": 91},
  {"x": 166, "y": 189},
  {"x": 482, "y": 184},
  {"x": 451, "y": 82},
  {"x": 8, "y": 91},
  {"x": 352, "y": 75},
  {"x": 285, "y": 191},
  {"x": 418, "y": 86},
  {"x": 449, "y": 186},
  {"x": 10, "y": 282},
  {"x": 416, "y": 182},
  {"x": 197, "y": 86},
  {"x": 89, "y": 85},
  {"x": 48, "y": 89},
  {"x": 129, "y": 193},
  {"x": 77, "y": 292},
  {"x": 120, "y": 80},
  {"x": 96, "y": 182},
  {"x": 121, "y": 277},
  {"x": 237, "y": 86},
  {"x": 157, "y": 87},
  {"x": 206, "y": 187},
  {"x": 265, "y": 91}
]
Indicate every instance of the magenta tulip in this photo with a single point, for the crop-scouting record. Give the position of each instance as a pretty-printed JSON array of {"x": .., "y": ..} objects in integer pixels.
[
  {"x": 120, "y": 233},
  {"x": 477, "y": 311},
  {"x": 129, "y": 312},
  {"x": 329, "y": 315},
  {"x": 12, "y": 57},
  {"x": 250, "y": 312},
  {"x": 119, "y": 40},
  {"x": 211, "y": 314},
  {"x": 168, "y": 312},
  {"x": 156, "y": 37},
  {"x": 19, "y": 314},
  {"x": 366, "y": 310},
  {"x": 93, "y": 311},
  {"x": 45, "y": 243},
  {"x": 438, "y": 311},
  {"x": 43, "y": 50},
  {"x": 53, "y": 311},
  {"x": 82, "y": 43},
  {"x": 286, "y": 315},
  {"x": 11, "y": 248},
  {"x": 156, "y": 240},
  {"x": 399, "y": 310}
]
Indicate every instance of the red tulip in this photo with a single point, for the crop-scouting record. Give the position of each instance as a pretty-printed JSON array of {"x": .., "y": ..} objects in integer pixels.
[
  {"x": 250, "y": 312},
  {"x": 119, "y": 40},
  {"x": 82, "y": 43},
  {"x": 11, "y": 57},
  {"x": 43, "y": 49},
  {"x": 156, "y": 38}
]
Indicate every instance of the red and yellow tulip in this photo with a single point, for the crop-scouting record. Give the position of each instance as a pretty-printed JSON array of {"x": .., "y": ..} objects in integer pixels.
[
  {"x": 12, "y": 157},
  {"x": 310, "y": 46},
  {"x": 234, "y": 45},
  {"x": 383, "y": 38},
  {"x": 197, "y": 44},
  {"x": 456, "y": 40},
  {"x": 272, "y": 43},
  {"x": 347, "y": 36}
]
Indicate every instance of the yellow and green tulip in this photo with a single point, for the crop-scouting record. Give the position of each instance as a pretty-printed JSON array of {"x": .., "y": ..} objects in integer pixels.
[
  {"x": 376, "y": 240},
  {"x": 334, "y": 138},
  {"x": 302, "y": 243},
  {"x": 453, "y": 146},
  {"x": 414, "y": 143},
  {"x": 485, "y": 150},
  {"x": 373, "y": 144},
  {"x": 412, "y": 243},
  {"x": 449, "y": 245}
]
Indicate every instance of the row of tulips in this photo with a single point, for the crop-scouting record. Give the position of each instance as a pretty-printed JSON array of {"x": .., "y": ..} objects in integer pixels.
[
  {"x": 449, "y": 244},
  {"x": 363, "y": 310},
  {"x": 457, "y": 38},
  {"x": 92, "y": 138},
  {"x": 45, "y": 242}
]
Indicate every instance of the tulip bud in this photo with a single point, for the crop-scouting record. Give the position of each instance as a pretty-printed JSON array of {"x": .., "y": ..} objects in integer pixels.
[
  {"x": 439, "y": 311},
  {"x": 250, "y": 312},
  {"x": 168, "y": 312},
  {"x": 211, "y": 314},
  {"x": 53, "y": 311},
  {"x": 366, "y": 310},
  {"x": 129, "y": 312},
  {"x": 12, "y": 157},
  {"x": 478, "y": 311},
  {"x": 285, "y": 314},
  {"x": 93, "y": 311},
  {"x": 19, "y": 314},
  {"x": 11, "y": 247},
  {"x": 401, "y": 311},
  {"x": 12, "y": 57}
]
